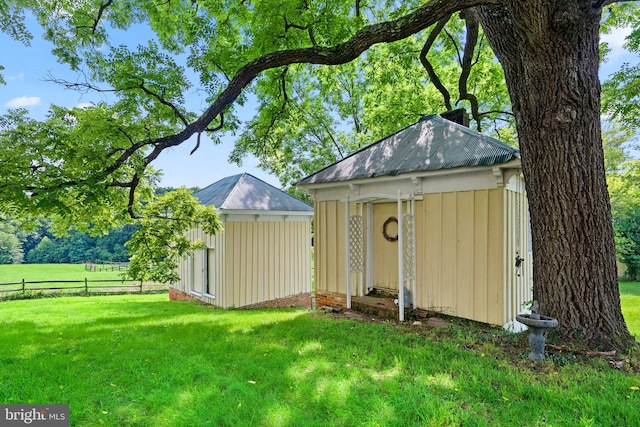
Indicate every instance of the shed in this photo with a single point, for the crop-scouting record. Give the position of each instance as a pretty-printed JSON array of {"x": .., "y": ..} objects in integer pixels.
[
  {"x": 437, "y": 209},
  {"x": 262, "y": 258}
]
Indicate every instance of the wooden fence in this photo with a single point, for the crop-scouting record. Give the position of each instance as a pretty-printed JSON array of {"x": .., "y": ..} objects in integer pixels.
[
  {"x": 105, "y": 266},
  {"x": 82, "y": 286}
]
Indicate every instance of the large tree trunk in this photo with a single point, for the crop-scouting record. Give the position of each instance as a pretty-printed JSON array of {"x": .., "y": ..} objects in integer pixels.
[{"x": 549, "y": 52}]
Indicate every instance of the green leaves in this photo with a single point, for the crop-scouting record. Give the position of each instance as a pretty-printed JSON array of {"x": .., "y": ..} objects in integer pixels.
[{"x": 161, "y": 241}]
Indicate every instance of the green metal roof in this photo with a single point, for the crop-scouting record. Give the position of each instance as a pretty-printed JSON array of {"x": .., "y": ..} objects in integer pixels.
[{"x": 432, "y": 143}]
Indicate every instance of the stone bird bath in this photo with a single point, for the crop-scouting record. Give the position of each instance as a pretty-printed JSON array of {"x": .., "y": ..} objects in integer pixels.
[{"x": 537, "y": 325}]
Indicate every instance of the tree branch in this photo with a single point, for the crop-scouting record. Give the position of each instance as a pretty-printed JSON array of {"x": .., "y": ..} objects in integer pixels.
[
  {"x": 427, "y": 65},
  {"x": 469, "y": 47},
  {"x": 163, "y": 101},
  {"x": 363, "y": 39},
  {"x": 341, "y": 53}
]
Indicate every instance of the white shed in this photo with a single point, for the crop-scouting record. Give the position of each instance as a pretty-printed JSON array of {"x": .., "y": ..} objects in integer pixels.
[
  {"x": 435, "y": 208},
  {"x": 262, "y": 258}
]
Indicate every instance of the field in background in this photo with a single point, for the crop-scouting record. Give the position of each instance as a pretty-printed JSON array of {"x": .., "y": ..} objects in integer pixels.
[
  {"x": 39, "y": 272},
  {"x": 49, "y": 279}
]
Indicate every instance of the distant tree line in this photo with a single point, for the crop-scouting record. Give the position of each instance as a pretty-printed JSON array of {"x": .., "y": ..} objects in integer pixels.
[{"x": 41, "y": 245}]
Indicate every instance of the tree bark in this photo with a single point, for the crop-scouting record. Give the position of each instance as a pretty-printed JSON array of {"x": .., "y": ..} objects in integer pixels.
[{"x": 549, "y": 52}]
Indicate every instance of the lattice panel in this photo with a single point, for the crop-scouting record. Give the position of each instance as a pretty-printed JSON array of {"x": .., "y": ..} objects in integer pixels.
[
  {"x": 356, "y": 243},
  {"x": 408, "y": 247}
]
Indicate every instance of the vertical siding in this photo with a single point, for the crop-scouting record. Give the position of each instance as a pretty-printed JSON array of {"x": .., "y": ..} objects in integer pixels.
[
  {"x": 460, "y": 255},
  {"x": 330, "y": 246},
  {"x": 266, "y": 260},
  {"x": 518, "y": 285},
  {"x": 190, "y": 268},
  {"x": 495, "y": 258},
  {"x": 465, "y": 249}
]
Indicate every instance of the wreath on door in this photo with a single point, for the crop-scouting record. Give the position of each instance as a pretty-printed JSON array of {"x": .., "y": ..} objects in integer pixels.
[{"x": 384, "y": 229}]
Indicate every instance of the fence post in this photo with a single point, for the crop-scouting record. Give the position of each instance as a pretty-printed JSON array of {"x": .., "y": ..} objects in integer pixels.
[
  {"x": 23, "y": 291},
  {"x": 86, "y": 285}
]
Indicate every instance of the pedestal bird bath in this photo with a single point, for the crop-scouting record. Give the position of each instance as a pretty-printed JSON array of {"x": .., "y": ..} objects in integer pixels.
[{"x": 537, "y": 325}]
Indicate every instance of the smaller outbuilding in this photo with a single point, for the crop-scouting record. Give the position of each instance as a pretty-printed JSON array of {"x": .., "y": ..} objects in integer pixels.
[
  {"x": 436, "y": 214},
  {"x": 262, "y": 258}
]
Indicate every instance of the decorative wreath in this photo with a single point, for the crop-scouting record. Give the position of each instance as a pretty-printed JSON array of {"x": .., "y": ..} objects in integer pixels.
[{"x": 384, "y": 229}]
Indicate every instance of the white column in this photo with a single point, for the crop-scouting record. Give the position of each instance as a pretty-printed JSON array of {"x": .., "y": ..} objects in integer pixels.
[
  {"x": 400, "y": 262},
  {"x": 348, "y": 234}
]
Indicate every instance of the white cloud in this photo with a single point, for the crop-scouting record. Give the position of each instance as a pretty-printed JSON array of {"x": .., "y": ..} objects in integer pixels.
[
  {"x": 18, "y": 76},
  {"x": 85, "y": 105},
  {"x": 616, "y": 41},
  {"x": 23, "y": 101}
]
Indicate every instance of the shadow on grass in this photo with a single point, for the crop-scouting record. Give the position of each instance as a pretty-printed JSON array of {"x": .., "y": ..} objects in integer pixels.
[{"x": 145, "y": 361}]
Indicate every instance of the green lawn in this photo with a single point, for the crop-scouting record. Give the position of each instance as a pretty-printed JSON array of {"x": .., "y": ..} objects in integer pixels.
[
  {"x": 141, "y": 360},
  {"x": 630, "y": 300},
  {"x": 67, "y": 278},
  {"x": 39, "y": 272}
]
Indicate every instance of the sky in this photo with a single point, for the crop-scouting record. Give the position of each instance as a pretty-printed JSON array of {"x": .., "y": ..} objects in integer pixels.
[{"x": 26, "y": 69}]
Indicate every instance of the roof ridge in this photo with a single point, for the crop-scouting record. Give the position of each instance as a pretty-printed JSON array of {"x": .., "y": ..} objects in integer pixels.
[
  {"x": 476, "y": 134},
  {"x": 366, "y": 147},
  {"x": 234, "y": 188}
]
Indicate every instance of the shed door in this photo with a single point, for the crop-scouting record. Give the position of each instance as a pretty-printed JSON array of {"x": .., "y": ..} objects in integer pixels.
[
  {"x": 210, "y": 285},
  {"x": 199, "y": 271}
]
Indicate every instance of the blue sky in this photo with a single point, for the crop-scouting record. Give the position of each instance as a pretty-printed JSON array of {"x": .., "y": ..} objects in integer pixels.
[{"x": 26, "y": 69}]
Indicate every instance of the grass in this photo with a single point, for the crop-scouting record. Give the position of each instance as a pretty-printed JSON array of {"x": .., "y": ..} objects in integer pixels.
[
  {"x": 67, "y": 277},
  {"x": 141, "y": 360},
  {"x": 10, "y": 273},
  {"x": 630, "y": 301}
]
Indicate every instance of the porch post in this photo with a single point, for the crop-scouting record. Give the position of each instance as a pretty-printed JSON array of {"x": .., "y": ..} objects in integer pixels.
[
  {"x": 400, "y": 261},
  {"x": 348, "y": 236},
  {"x": 361, "y": 213},
  {"x": 414, "y": 298}
]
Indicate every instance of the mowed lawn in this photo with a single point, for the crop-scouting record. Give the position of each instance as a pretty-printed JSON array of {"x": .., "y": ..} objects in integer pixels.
[
  {"x": 630, "y": 301},
  {"x": 11, "y": 273},
  {"x": 141, "y": 360}
]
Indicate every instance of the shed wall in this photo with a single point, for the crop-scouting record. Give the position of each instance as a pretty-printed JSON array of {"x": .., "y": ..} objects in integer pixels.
[
  {"x": 330, "y": 246},
  {"x": 518, "y": 283},
  {"x": 249, "y": 263},
  {"x": 202, "y": 275},
  {"x": 460, "y": 254},
  {"x": 265, "y": 261}
]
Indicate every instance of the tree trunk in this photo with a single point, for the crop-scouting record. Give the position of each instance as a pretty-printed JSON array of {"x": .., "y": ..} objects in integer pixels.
[{"x": 549, "y": 52}]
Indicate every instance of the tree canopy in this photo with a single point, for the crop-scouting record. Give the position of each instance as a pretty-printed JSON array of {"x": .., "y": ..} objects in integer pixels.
[{"x": 386, "y": 70}]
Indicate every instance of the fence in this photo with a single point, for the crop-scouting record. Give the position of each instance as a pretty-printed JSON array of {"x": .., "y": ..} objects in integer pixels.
[
  {"x": 79, "y": 286},
  {"x": 105, "y": 266}
]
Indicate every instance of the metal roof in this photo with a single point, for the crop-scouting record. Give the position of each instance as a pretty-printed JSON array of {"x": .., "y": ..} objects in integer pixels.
[
  {"x": 432, "y": 143},
  {"x": 246, "y": 192}
]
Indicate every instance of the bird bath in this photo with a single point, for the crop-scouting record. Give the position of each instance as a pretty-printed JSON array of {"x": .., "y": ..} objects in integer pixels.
[{"x": 537, "y": 325}]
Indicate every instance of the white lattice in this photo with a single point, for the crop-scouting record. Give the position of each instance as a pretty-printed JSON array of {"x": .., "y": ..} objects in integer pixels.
[
  {"x": 356, "y": 243},
  {"x": 408, "y": 237}
]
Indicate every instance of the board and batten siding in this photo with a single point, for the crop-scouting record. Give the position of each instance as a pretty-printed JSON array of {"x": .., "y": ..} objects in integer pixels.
[
  {"x": 266, "y": 260},
  {"x": 460, "y": 254},
  {"x": 330, "y": 246},
  {"x": 518, "y": 284},
  {"x": 202, "y": 274},
  {"x": 249, "y": 263}
]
